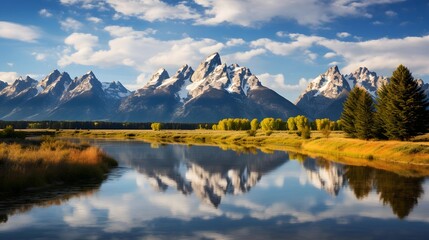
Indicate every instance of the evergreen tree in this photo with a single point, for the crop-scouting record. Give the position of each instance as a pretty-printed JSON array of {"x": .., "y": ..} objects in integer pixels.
[
  {"x": 348, "y": 116},
  {"x": 403, "y": 106},
  {"x": 364, "y": 116}
]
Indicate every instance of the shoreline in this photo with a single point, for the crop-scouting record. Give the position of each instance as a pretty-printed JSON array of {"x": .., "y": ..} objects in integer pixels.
[{"x": 405, "y": 158}]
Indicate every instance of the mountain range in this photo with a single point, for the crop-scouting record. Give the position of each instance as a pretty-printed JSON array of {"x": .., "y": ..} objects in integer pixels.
[{"x": 213, "y": 91}]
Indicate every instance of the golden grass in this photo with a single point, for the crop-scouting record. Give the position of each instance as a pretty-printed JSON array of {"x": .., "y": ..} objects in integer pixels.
[
  {"x": 380, "y": 154},
  {"x": 27, "y": 165}
]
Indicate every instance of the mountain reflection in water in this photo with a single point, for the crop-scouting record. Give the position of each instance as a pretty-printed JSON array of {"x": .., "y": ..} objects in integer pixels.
[
  {"x": 205, "y": 192},
  {"x": 211, "y": 174}
]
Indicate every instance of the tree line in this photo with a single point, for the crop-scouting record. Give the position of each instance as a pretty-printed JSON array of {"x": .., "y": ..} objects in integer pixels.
[{"x": 400, "y": 111}]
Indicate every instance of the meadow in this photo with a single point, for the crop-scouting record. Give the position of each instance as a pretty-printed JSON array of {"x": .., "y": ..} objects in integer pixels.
[{"x": 26, "y": 165}]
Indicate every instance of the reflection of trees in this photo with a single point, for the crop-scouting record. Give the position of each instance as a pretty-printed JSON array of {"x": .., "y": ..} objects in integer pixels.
[
  {"x": 400, "y": 192},
  {"x": 208, "y": 172},
  {"x": 14, "y": 204}
]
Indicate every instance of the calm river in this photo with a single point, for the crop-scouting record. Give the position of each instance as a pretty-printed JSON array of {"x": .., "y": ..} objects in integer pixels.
[{"x": 199, "y": 192}]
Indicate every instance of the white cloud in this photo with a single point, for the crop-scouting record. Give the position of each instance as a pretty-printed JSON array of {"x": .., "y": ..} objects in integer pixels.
[
  {"x": 330, "y": 55},
  {"x": 95, "y": 20},
  {"x": 120, "y": 31},
  {"x": 391, "y": 13},
  {"x": 137, "y": 50},
  {"x": 277, "y": 82},
  {"x": 86, "y": 4},
  {"x": 83, "y": 45},
  {"x": 343, "y": 34},
  {"x": 334, "y": 63},
  {"x": 70, "y": 24},
  {"x": 10, "y": 64},
  {"x": 377, "y": 23},
  {"x": 39, "y": 56},
  {"x": 299, "y": 42},
  {"x": 383, "y": 54},
  {"x": 153, "y": 10},
  {"x": 8, "y": 77},
  {"x": 305, "y": 12},
  {"x": 281, "y": 34},
  {"x": 234, "y": 42},
  {"x": 18, "y": 32},
  {"x": 244, "y": 56},
  {"x": 45, "y": 13}
]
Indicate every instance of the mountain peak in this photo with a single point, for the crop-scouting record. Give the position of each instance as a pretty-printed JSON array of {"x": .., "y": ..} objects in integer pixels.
[
  {"x": 206, "y": 67},
  {"x": 333, "y": 70},
  {"x": 157, "y": 78}
]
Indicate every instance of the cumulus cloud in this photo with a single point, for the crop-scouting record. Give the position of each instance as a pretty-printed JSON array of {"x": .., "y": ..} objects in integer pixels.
[
  {"x": 381, "y": 54},
  {"x": 70, "y": 24},
  {"x": 18, "y": 32},
  {"x": 343, "y": 34},
  {"x": 234, "y": 42},
  {"x": 95, "y": 20},
  {"x": 244, "y": 56},
  {"x": 330, "y": 55},
  {"x": 277, "y": 82},
  {"x": 281, "y": 34},
  {"x": 39, "y": 56},
  {"x": 304, "y": 12},
  {"x": 136, "y": 49},
  {"x": 153, "y": 10},
  {"x": 8, "y": 77},
  {"x": 45, "y": 13},
  {"x": 298, "y": 42}
]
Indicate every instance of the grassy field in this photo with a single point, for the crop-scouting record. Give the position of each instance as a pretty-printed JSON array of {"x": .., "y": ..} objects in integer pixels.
[{"x": 30, "y": 164}]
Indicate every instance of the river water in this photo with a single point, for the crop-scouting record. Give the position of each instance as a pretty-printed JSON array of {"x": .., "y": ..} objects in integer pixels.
[{"x": 205, "y": 192}]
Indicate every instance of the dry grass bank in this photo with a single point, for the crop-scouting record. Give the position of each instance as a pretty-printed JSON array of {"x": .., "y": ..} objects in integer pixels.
[
  {"x": 32, "y": 165},
  {"x": 336, "y": 145}
]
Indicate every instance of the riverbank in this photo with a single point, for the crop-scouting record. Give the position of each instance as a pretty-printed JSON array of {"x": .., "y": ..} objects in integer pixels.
[
  {"x": 36, "y": 164},
  {"x": 336, "y": 144},
  {"x": 404, "y": 158}
]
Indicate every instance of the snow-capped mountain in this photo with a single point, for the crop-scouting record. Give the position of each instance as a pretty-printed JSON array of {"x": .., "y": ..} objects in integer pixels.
[
  {"x": 325, "y": 95},
  {"x": 19, "y": 92},
  {"x": 158, "y": 99},
  {"x": 366, "y": 79},
  {"x": 219, "y": 91},
  {"x": 58, "y": 97},
  {"x": 214, "y": 91}
]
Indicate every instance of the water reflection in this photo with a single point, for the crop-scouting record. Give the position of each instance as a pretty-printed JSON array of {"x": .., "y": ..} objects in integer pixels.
[
  {"x": 16, "y": 204},
  {"x": 211, "y": 174},
  {"x": 182, "y": 192},
  {"x": 208, "y": 173},
  {"x": 401, "y": 193}
]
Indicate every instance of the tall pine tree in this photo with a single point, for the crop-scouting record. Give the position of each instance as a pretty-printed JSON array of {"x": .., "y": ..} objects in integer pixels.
[
  {"x": 403, "y": 106},
  {"x": 348, "y": 116},
  {"x": 364, "y": 116}
]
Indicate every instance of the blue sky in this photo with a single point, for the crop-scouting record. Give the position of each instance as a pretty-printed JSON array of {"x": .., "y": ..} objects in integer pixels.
[{"x": 285, "y": 43}]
